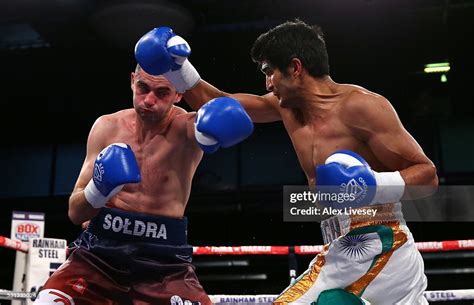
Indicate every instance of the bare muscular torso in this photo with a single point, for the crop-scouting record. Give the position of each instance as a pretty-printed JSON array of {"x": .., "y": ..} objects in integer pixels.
[
  {"x": 316, "y": 132},
  {"x": 322, "y": 116},
  {"x": 167, "y": 164}
]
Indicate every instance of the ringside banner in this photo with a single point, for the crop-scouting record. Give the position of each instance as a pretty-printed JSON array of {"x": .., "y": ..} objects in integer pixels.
[{"x": 25, "y": 226}]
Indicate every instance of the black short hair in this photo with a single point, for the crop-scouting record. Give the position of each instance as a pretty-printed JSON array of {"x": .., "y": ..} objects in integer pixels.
[{"x": 293, "y": 39}]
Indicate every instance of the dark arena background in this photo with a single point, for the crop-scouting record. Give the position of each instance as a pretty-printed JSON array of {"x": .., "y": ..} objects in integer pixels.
[{"x": 64, "y": 63}]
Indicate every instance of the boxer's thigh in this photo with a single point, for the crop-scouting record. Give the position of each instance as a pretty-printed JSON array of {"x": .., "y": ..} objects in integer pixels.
[
  {"x": 344, "y": 262},
  {"x": 181, "y": 286},
  {"x": 402, "y": 280},
  {"x": 82, "y": 280}
]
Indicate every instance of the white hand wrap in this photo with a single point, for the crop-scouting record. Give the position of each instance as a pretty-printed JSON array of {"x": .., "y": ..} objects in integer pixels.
[
  {"x": 390, "y": 187},
  {"x": 184, "y": 78},
  {"x": 95, "y": 197}
]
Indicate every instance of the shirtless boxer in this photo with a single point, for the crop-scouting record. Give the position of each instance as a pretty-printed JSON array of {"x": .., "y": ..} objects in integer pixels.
[
  {"x": 342, "y": 132},
  {"x": 134, "y": 186}
]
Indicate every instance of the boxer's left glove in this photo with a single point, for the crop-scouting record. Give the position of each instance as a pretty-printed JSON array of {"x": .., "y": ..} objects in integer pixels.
[
  {"x": 346, "y": 172},
  {"x": 162, "y": 52},
  {"x": 221, "y": 122},
  {"x": 114, "y": 167}
]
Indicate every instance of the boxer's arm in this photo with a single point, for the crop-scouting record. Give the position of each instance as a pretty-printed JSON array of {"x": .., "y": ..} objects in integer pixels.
[
  {"x": 79, "y": 209},
  {"x": 190, "y": 132},
  {"x": 262, "y": 109},
  {"x": 161, "y": 51},
  {"x": 375, "y": 121}
]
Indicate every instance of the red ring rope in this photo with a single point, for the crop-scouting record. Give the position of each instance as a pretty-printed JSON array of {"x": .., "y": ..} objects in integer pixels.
[{"x": 431, "y": 246}]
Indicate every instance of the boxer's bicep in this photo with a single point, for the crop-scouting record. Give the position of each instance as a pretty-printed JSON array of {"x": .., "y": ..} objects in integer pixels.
[
  {"x": 377, "y": 123},
  {"x": 190, "y": 131},
  {"x": 262, "y": 109},
  {"x": 396, "y": 149},
  {"x": 96, "y": 141},
  {"x": 201, "y": 94},
  {"x": 79, "y": 209},
  {"x": 390, "y": 140}
]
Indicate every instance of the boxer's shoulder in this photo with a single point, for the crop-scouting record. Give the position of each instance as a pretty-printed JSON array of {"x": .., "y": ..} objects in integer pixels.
[
  {"x": 178, "y": 112},
  {"x": 116, "y": 117},
  {"x": 180, "y": 117},
  {"x": 182, "y": 123},
  {"x": 357, "y": 96},
  {"x": 112, "y": 124},
  {"x": 360, "y": 104},
  {"x": 103, "y": 123}
]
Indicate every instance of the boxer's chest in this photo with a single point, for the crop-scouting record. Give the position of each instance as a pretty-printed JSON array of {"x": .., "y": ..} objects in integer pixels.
[{"x": 315, "y": 139}]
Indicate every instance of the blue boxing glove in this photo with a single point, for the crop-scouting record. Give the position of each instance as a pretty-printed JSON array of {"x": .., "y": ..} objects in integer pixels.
[
  {"x": 162, "y": 52},
  {"x": 345, "y": 172},
  {"x": 114, "y": 167},
  {"x": 221, "y": 122}
]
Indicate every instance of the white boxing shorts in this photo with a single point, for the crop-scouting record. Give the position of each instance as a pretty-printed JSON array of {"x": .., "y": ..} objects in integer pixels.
[{"x": 372, "y": 258}]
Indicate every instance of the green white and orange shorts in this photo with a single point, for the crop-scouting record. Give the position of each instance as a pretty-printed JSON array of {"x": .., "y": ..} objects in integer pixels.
[{"x": 364, "y": 261}]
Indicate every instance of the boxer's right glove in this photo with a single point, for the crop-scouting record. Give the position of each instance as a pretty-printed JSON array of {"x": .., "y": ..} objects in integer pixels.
[
  {"x": 162, "y": 52},
  {"x": 221, "y": 122},
  {"x": 114, "y": 167}
]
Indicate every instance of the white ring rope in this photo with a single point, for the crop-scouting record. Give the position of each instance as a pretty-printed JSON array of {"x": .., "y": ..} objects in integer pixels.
[{"x": 431, "y": 296}]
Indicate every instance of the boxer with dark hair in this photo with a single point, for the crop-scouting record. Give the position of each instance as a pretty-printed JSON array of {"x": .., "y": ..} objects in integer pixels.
[{"x": 344, "y": 135}]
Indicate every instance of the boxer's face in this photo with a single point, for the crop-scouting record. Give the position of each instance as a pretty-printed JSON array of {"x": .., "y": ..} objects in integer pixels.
[
  {"x": 153, "y": 96},
  {"x": 277, "y": 82}
]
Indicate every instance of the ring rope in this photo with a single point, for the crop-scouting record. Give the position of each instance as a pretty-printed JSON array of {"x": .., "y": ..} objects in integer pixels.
[
  {"x": 431, "y": 246},
  {"x": 431, "y": 296}
]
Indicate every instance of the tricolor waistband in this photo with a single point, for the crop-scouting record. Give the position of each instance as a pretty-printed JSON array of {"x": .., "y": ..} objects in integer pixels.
[
  {"x": 339, "y": 225},
  {"x": 137, "y": 227}
]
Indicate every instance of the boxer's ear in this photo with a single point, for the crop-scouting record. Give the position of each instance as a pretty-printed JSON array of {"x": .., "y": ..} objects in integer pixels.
[
  {"x": 296, "y": 67},
  {"x": 132, "y": 79},
  {"x": 178, "y": 97}
]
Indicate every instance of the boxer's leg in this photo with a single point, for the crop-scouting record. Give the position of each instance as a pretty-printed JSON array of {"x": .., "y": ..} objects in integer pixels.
[
  {"x": 84, "y": 279},
  {"x": 179, "y": 286},
  {"x": 346, "y": 263},
  {"x": 339, "y": 296},
  {"x": 402, "y": 280}
]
